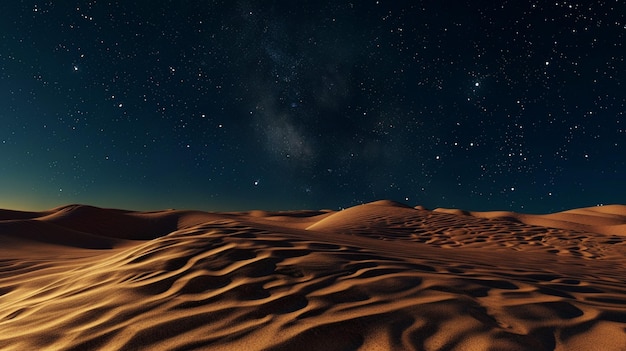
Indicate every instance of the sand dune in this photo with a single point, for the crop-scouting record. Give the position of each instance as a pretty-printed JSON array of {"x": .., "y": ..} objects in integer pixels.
[
  {"x": 380, "y": 276},
  {"x": 609, "y": 219}
]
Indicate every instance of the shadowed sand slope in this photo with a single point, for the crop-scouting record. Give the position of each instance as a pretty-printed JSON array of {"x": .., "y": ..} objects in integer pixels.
[{"x": 380, "y": 276}]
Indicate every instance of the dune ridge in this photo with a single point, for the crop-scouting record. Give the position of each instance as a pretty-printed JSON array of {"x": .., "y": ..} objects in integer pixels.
[{"x": 379, "y": 276}]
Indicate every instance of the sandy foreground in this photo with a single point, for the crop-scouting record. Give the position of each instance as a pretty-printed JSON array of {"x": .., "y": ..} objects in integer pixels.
[{"x": 380, "y": 276}]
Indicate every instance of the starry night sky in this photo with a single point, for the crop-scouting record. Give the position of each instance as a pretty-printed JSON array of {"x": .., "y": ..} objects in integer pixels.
[{"x": 233, "y": 105}]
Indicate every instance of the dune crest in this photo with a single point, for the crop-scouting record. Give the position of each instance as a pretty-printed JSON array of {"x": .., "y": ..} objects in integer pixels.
[{"x": 379, "y": 276}]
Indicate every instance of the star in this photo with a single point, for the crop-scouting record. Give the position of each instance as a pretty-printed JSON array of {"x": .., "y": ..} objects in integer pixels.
[{"x": 256, "y": 92}]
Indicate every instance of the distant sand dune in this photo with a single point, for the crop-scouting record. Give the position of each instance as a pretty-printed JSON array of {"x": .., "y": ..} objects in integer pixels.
[
  {"x": 609, "y": 219},
  {"x": 380, "y": 276}
]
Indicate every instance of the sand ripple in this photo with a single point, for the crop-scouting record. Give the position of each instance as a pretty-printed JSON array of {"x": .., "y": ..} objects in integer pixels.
[{"x": 374, "y": 277}]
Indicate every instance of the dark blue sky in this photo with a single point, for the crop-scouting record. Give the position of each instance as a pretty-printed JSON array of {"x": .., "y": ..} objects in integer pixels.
[{"x": 513, "y": 105}]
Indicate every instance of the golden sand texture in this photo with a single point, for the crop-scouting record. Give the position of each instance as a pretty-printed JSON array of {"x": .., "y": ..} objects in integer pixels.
[{"x": 380, "y": 276}]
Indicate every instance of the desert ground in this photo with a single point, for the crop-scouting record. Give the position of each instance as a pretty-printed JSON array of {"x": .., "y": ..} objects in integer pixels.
[{"x": 378, "y": 276}]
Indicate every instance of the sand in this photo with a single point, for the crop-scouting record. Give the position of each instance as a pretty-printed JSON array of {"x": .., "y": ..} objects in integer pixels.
[{"x": 379, "y": 276}]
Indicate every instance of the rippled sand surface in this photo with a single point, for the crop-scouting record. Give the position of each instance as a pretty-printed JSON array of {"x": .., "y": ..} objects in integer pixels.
[{"x": 380, "y": 276}]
